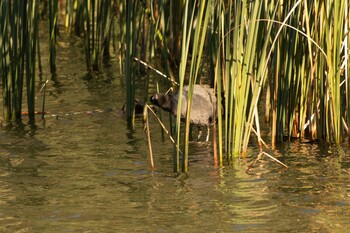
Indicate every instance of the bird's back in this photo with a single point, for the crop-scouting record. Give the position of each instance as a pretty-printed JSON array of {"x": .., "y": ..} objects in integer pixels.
[{"x": 203, "y": 104}]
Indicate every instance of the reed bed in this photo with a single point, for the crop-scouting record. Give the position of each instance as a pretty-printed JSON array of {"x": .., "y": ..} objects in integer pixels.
[
  {"x": 18, "y": 39},
  {"x": 294, "y": 55}
]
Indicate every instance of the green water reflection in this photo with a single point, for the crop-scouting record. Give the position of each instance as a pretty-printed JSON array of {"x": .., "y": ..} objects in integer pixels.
[{"x": 90, "y": 173}]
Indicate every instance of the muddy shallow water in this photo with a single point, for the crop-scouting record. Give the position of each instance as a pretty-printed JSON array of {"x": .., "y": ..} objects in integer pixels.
[{"x": 85, "y": 171}]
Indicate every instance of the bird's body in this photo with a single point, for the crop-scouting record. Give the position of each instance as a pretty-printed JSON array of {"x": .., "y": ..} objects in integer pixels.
[{"x": 203, "y": 104}]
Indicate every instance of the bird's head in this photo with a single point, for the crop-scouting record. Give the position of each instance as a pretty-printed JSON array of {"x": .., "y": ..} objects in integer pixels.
[
  {"x": 162, "y": 100},
  {"x": 154, "y": 99}
]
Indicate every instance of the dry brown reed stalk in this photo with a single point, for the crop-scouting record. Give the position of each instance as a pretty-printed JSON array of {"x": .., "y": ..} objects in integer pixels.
[
  {"x": 162, "y": 125},
  {"x": 149, "y": 137},
  {"x": 268, "y": 155}
]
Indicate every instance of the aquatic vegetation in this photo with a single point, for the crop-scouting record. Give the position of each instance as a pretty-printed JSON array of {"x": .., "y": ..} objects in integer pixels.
[
  {"x": 53, "y": 30},
  {"x": 18, "y": 39},
  {"x": 290, "y": 56}
]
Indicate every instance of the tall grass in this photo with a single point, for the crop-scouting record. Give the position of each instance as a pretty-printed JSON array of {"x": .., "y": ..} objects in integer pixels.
[
  {"x": 98, "y": 21},
  {"x": 142, "y": 31},
  {"x": 302, "y": 66},
  {"x": 18, "y": 38},
  {"x": 201, "y": 15},
  {"x": 293, "y": 53},
  {"x": 94, "y": 19},
  {"x": 239, "y": 64}
]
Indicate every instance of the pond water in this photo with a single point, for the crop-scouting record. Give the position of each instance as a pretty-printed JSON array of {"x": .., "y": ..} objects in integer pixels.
[{"x": 85, "y": 171}]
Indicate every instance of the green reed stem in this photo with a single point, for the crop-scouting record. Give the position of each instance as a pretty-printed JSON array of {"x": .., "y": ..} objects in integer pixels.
[
  {"x": 18, "y": 36},
  {"x": 186, "y": 33},
  {"x": 31, "y": 35},
  {"x": 129, "y": 80},
  {"x": 200, "y": 32},
  {"x": 53, "y": 7}
]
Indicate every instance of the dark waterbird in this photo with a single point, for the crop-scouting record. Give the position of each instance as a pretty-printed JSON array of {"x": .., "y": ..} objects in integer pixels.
[{"x": 203, "y": 105}]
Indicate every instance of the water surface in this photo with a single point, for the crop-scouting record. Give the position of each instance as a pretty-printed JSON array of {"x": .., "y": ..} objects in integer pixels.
[{"x": 83, "y": 170}]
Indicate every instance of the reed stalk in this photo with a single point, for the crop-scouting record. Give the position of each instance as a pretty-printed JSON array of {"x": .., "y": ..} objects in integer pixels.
[
  {"x": 31, "y": 35},
  {"x": 237, "y": 70},
  {"x": 53, "y": 27},
  {"x": 199, "y": 38},
  {"x": 346, "y": 63},
  {"x": 182, "y": 69},
  {"x": 18, "y": 37},
  {"x": 298, "y": 52},
  {"x": 5, "y": 60},
  {"x": 133, "y": 25},
  {"x": 98, "y": 21},
  {"x": 334, "y": 35}
]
